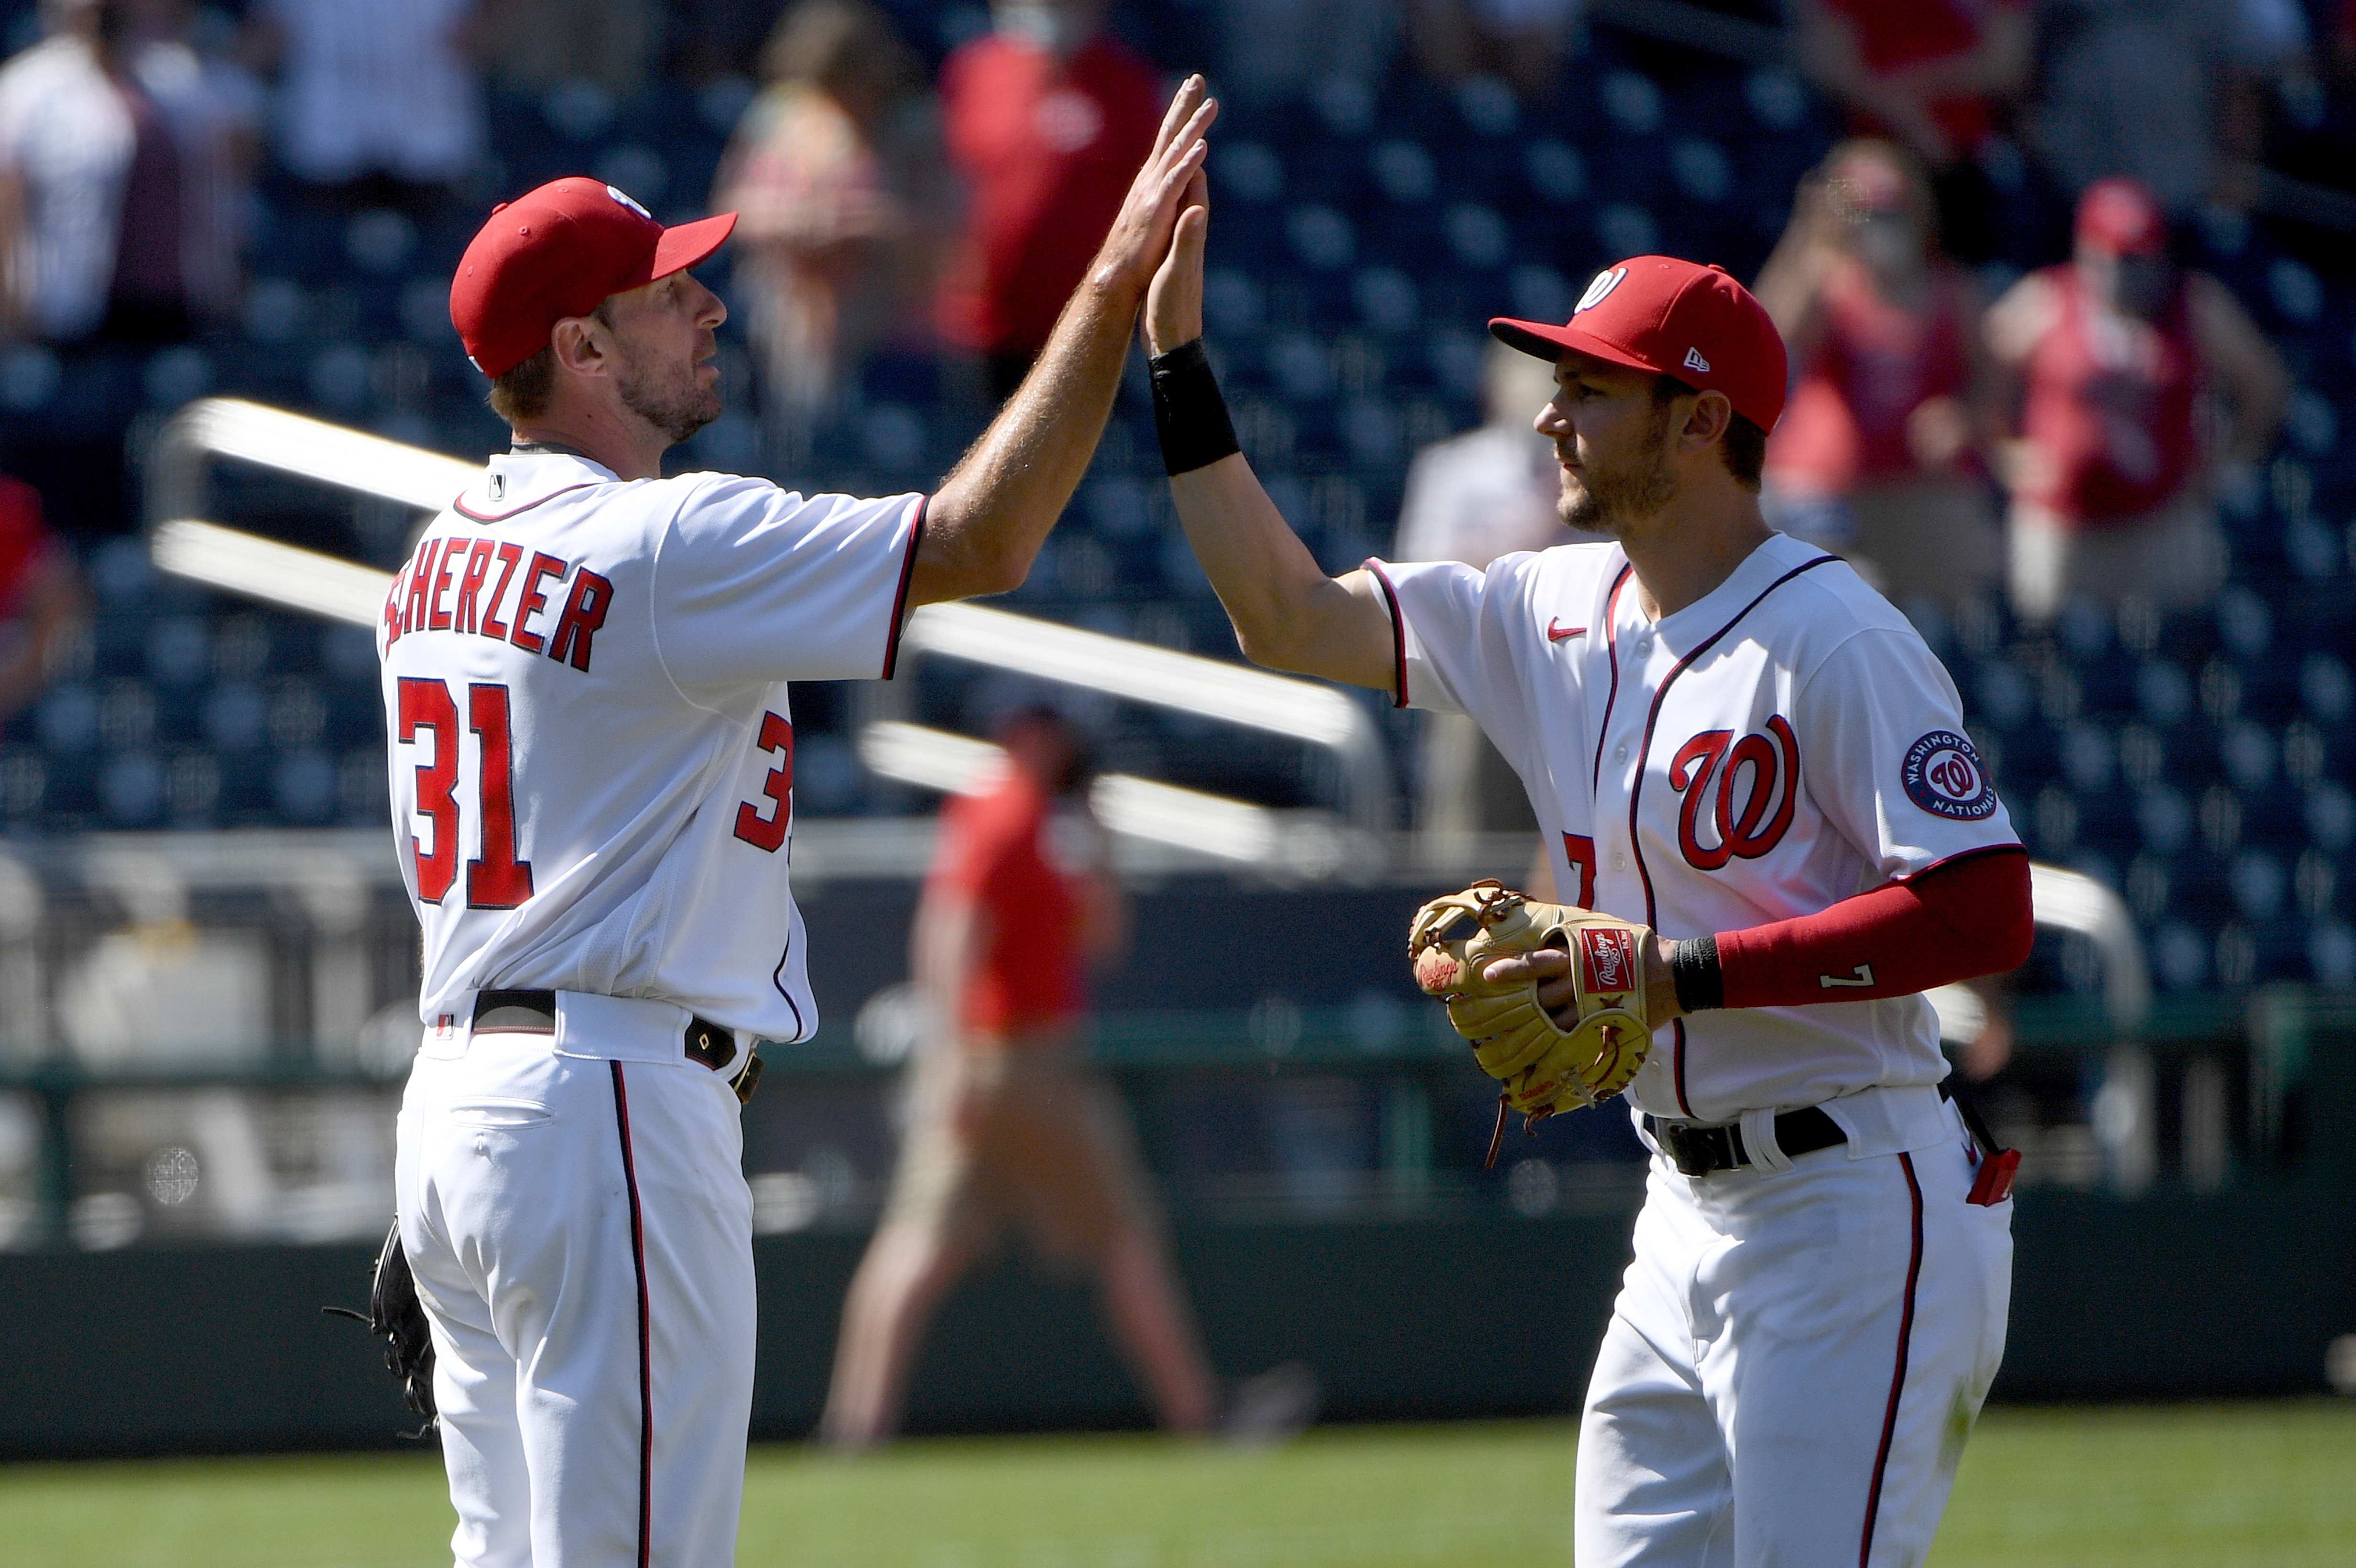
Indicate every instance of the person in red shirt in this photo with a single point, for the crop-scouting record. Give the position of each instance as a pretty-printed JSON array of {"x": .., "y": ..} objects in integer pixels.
[
  {"x": 2111, "y": 357},
  {"x": 1935, "y": 76},
  {"x": 1047, "y": 118},
  {"x": 40, "y": 597},
  {"x": 1007, "y": 1120},
  {"x": 1874, "y": 456}
]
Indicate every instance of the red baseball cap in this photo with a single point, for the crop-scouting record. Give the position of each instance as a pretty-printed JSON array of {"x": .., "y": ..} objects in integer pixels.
[
  {"x": 2121, "y": 216},
  {"x": 558, "y": 251},
  {"x": 1675, "y": 318}
]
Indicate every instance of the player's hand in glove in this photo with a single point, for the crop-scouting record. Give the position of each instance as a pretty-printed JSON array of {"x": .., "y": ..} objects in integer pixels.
[
  {"x": 398, "y": 1317},
  {"x": 1552, "y": 998}
]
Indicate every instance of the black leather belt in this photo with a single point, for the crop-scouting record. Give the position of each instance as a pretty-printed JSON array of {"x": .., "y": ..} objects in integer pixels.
[
  {"x": 1698, "y": 1150},
  {"x": 534, "y": 1012}
]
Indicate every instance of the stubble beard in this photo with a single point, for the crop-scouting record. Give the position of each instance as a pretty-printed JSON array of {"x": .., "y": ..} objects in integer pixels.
[
  {"x": 1610, "y": 500},
  {"x": 677, "y": 411}
]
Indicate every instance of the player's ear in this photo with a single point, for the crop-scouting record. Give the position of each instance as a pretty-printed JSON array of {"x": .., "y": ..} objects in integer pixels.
[
  {"x": 1707, "y": 422},
  {"x": 580, "y": 347}
]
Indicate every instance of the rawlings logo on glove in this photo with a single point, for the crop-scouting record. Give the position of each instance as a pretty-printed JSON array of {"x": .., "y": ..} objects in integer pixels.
[{"x": 1544, "y": 1068}]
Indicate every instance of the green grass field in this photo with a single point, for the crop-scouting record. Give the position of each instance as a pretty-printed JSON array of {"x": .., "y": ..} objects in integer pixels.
[{"x": 2215, "y": 1486}]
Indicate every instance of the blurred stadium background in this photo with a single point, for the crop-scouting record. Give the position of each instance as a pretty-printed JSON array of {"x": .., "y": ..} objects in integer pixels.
[{"x": 207, "y": 965}]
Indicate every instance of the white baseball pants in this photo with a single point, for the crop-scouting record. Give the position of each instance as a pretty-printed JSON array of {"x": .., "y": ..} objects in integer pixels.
[
  {"x": 1793, "y": 1365},
  {"x": 576, "y": 1213}
]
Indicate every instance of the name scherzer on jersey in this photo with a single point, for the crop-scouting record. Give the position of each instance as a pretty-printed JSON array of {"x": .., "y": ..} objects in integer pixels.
[
  {"x": 1783, "y": 742},
  {"x": 625, "y": 647}
]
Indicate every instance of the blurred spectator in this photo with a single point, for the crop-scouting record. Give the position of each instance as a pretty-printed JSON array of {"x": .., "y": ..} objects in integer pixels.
[
  {"x": 1473, "y": 498},
  {"x": 378, "y": 102},
  {"x": 1277, "y": 48},
  {"x": 40, "y": 598},
  {"x": 535, "y": 44},
  {"x": 709, "y": 40},
  {"x": 1049, "y": 118},
  {"x": 846, "y": 206},
  {"x": 122, "y": 164},
  {"x": 2113, "y": 356},
  {"x": 1875, "y": 455},
  {"x": 1935, "y": 76},
  {"x": 2150, "y": 89},
  {"x": 1007, "y": 1120},
  {"x": 1519, "y": 41}
]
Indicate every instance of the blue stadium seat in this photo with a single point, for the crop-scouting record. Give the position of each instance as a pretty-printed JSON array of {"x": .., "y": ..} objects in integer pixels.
[
  {"x": 305, "y": 786},
  {"x": 130, "y": 788}
]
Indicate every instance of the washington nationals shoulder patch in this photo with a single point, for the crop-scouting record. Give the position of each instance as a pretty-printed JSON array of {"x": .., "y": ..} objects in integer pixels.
[{"x": 1945, "y": 777}]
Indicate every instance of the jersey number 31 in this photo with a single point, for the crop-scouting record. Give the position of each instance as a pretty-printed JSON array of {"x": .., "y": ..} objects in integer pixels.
[{"x": 498, "y": 879}]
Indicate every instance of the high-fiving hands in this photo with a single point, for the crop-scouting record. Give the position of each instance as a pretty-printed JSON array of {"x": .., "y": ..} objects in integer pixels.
[
  {"x": 1173, "y": 305},
  {"x": 1138, "y": 246}
]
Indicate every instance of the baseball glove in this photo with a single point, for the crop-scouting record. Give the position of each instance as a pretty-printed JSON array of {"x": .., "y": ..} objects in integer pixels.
[
  {"x": 398, "y": 1317},
  {"x": 1544, "y": 1068}
]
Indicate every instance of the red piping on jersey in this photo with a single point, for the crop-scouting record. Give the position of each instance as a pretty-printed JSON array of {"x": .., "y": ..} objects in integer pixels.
[
  {"x": 646, "y": 1332},
  {"x": 1644, "y": 750},
  {"x": 1966, "y": 915},
  {"x": 1399, "y": 627},
  {"x": 1898, "y": 1376},
  {"x": 459, "y": 506},
  {"x": 1612, "y": 647},
  {"x": 900, "y": 599}
]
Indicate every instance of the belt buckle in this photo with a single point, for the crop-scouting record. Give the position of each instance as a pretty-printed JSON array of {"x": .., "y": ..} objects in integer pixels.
[{"x": 1697, "y": 1150}]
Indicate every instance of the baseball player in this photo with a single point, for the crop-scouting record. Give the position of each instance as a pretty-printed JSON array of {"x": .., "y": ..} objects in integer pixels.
[
  {"x": 585, "y": 670},
  {"x": 1729, "y": 738}
]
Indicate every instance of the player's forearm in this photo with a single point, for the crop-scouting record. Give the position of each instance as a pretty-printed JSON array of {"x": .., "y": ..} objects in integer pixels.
[
  {"x": 1284, "y": 607},
  {"x": 989, "y": 518},
  {"x": 1965, "y": 918}
]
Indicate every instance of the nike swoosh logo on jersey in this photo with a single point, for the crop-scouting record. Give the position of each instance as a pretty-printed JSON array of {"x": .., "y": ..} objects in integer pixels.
[
  {"x": 1862, "y": 975},
  {"x": 1557, "y": 631}
]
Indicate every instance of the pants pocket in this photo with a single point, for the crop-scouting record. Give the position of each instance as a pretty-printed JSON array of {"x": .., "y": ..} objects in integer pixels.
[{"x": 504, "y": 1114}]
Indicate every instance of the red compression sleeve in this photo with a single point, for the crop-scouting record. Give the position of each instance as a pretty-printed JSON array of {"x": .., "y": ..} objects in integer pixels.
[{"x": 1961, "y": 918}]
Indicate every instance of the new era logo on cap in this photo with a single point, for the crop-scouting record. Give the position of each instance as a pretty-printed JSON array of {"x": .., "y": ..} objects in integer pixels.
[{"x": 1674, "y": 318}]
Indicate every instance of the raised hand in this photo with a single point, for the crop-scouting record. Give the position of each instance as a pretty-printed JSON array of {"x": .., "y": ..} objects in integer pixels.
[
  {"x": 1173, "y": 305},
  {"x": 1139, "y": 241}
]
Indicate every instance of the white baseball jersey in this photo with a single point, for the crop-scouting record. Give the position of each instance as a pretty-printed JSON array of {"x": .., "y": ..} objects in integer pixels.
[
  {"x": 623, "y": 649},
  {"x": 1783, "y": 742}
]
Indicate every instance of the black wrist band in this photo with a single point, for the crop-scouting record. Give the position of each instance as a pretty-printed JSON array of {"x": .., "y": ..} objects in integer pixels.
[
  {"x": 1189, "y": 415},
  {"x": 1701, "y": 984}
]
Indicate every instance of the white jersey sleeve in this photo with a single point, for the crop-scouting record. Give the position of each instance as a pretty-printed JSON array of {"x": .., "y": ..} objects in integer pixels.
[
  {"x": 755, "y": 583},
  {"x": 1905, "y": 787},
  {"x": 1456, "y": 632}
]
